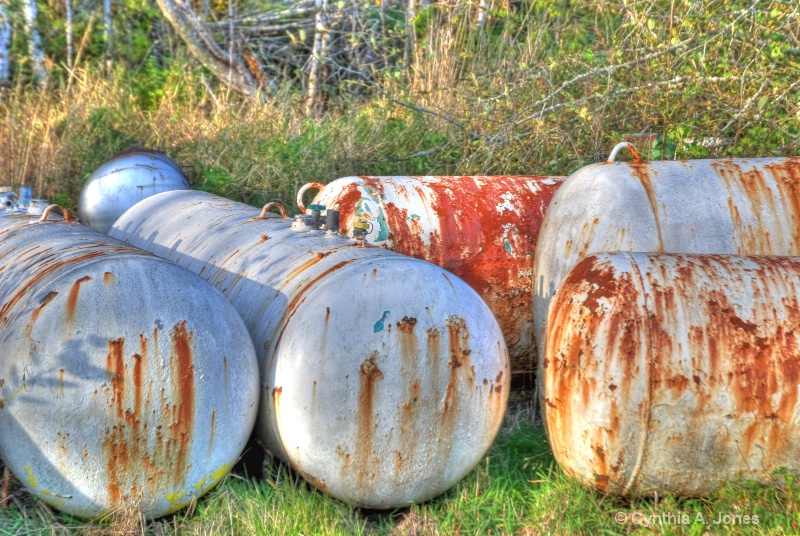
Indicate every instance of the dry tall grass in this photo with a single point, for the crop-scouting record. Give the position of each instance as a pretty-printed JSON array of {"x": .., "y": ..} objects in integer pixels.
[{"x": 542, "y": 90}]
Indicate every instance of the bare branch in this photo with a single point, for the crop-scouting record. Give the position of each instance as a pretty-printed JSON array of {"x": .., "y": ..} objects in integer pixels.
[{"x": 229, "y": 69}]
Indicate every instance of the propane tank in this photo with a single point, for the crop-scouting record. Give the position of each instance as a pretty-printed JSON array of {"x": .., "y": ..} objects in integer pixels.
[
  {"x": 122, "y": 182},
  {"x": 126, "y": 382},
  {"x": 674, "y": 373},
  {"x": 483, "y": 229},
  {"x": 735, "y": 206},
  {"x": 384, "y": 378}
]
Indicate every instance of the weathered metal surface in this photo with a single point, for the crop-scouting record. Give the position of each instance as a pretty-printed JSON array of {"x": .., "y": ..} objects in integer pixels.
[
  {"x": 674, "y": 373},
  {"x": 483, "y": 229},
  {"x": 125, "y": 381},
  {"x": 736, "y": 206},
  {"x": 122, "y": 182},
  {"x": 385, "y": 378}
]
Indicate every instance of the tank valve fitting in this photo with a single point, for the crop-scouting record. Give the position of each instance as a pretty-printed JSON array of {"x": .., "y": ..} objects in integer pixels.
[
  {"x": 301, "y": 222},
  {"x": 316, "y": 216},
  {"x": 332, "y": 221}
]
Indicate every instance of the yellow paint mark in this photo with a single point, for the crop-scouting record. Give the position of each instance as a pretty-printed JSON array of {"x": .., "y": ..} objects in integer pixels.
[
  {"x": 175, "y": 497},
  {"x": 45, "y": 492},
  {"x": 200, "y": 484},
  {"x": 31, "y": 477},
  {"x": 219, "y": 473}
]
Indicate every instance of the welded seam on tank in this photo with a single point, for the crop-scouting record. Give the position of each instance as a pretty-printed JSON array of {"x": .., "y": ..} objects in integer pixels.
[
  {"x": 647, "y": 184},
  {"x": 646, "y": 406}
]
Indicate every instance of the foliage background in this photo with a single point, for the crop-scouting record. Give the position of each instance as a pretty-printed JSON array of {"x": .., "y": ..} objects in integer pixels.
[{"x": 543, "y": 88}]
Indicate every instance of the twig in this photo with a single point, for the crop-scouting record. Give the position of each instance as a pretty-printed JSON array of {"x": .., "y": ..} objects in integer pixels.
[
  {"x": 747, "y": 105},
  {"x": 459, "y": 124},
  {"x": 609, "y": 69},
  {"x": 4, "y": 490}
]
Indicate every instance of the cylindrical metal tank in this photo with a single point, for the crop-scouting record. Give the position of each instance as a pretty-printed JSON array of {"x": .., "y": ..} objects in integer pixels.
[
  {"x": 384, "y": 378},
  {"x": 674, "y": 373},
  {"x": 736, "y": 206},
  {"x": 483, "y": 229},
  {"x": 122, "y": 182},
  {"x": 125, "y": 381}
]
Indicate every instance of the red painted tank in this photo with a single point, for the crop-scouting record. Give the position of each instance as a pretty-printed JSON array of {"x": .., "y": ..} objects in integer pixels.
[{"x": 483, "y": 229}]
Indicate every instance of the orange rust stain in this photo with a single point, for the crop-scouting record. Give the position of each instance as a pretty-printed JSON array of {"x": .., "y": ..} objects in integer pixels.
[
  {"x": 115, "y": 367},
  {"x": 182, "y": 374},
  {"x": 61, "y": 381},
  {"x": 305, "y": 266},
  {"x": 641, "y": 171},
  {"x": 599, "y": 299},
  {"x": 369, "y": 374},
  {"x": 213, "y": 428},
  {"x": 139, "y": 363},
  {"x": 458, "y": 343},
  {"x": 409, "y": 434},
  {"x": 35, "y": 314},
  {"x": 109, "y": 278},
  {"x": 432, "y": 346},
  {"x": 276, "y": 401},
  {"x": 72, "y": 299},
  {"x": 232, "y": 255},
  {"x": 264, "y": 238}
]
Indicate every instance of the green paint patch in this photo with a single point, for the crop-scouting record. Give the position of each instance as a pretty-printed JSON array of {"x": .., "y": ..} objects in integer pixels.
[
  {"x": 507, "y": 244},
  {"x": 379, "y": 324}
]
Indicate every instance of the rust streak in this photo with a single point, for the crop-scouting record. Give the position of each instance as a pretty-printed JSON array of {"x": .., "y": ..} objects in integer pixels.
[
  {"x": 182, "y": 374},
  {"x": 369, "y": 375},
  {"x": 72, "y": 299}
]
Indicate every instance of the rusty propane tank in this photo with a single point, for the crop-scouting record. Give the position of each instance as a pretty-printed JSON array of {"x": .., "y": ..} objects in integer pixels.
[
  {"x": 728, "y": 206},
  {"x": 122, "y": 182},
  {"x": 674, "y": 373},
  {"x": 385, "y": 378},
  {"x": 483, "y": 229},
  {"x": 126, "y": 382}
]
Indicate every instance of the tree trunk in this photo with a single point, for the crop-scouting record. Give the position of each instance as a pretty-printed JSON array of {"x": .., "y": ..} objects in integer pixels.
[
  {"x": 319, "y": 51},
  {"x": 5, "y": 44},
  {"x": 227, "y": 68},
  {"x": 69, "y": 33},
  {"x": 109, "y": 28},
  {"x": 34, "y": 43},
  {"x": 483, "y": 13},
  {"x": 411, "y": 34}
]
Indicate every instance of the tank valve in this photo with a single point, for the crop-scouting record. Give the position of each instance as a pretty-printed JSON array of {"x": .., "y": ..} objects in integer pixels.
[
  {"x": 316, "y": 216},
  {"x": 301, "y": 222},
  {"x": 332, "y": 221},
  {"x": 360, "y": 230}
]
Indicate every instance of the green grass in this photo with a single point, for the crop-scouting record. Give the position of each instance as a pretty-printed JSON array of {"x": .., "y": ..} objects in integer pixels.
[{"x": 516, "y": 489}]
